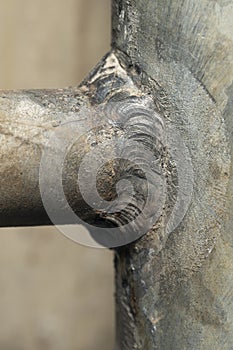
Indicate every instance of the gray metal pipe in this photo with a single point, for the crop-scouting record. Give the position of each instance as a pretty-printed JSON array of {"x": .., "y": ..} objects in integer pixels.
[
  {"x": 173, "y": 288},
  {"x": 26, "y": 119},
  {"x": 176, "y": 293}
]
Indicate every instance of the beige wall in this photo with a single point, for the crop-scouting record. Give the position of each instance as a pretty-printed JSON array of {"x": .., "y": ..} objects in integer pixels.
[
  {"x": 54, "y": 294},
  {"x": 51, "y": 43}
]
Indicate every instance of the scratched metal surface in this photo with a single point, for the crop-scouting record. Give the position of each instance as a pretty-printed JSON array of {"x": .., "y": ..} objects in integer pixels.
[
  {"x": 173, "y": 291},
  {"x": 181, "y": 297}
]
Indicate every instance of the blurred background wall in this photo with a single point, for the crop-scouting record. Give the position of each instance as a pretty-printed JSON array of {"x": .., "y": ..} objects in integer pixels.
[{"x": 54, "y": 294}]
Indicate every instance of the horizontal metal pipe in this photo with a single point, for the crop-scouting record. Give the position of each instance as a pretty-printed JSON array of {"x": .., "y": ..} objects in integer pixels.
[
  {"x": 27, "y": 119},
  {"x": 46, "y": 136}
]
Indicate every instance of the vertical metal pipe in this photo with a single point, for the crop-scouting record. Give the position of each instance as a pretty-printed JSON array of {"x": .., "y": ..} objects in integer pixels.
[{"x": 175, "y": 291}]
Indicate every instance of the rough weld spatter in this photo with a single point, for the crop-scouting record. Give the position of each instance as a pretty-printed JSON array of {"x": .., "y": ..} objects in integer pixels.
[
  {"x": 133, "y": 172},
  {"x": 136, "y": 163},
  {"x": 149, "y": 117}
]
